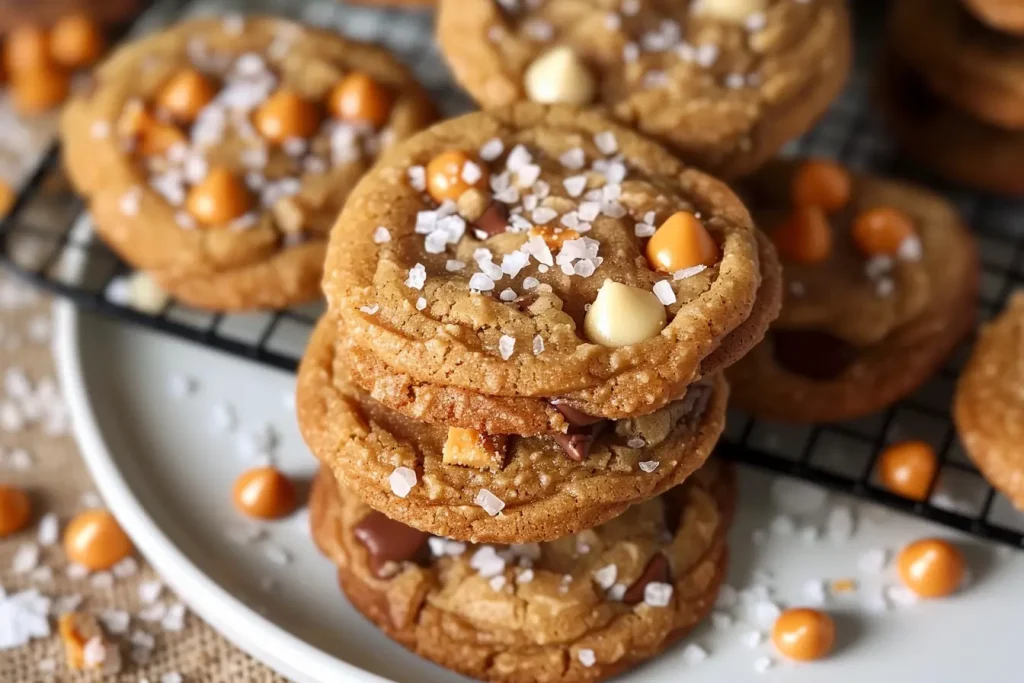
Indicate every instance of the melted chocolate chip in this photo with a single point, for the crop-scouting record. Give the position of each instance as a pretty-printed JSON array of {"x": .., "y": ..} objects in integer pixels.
[
  {"x": 816, "y": 355},
  {"x": 576, "y": 446},
  {"x": 494, "y": 219},
  {"x": 656, "y": 570},
  {"x": 388, "y": 541},
  {"x": 575, "y": 418}
]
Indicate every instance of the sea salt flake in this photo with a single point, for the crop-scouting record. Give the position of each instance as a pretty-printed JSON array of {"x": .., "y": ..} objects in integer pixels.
[
  {"x": 491, "y": 504},
  {"x": 102, "y": 580},
  {"x": 126, "y": 568},
  {"x": 839, "y": 524},
  {"x": 658, "y": 594},
  {"x": 417, "y": 178},
  {"x": 783, "y": 525},
  {"x": 402, "y": 480},
  {"x": 417, "y": 276},
  {"x": 872, "y": 561},
  {"x": 277, "y": 555},
  {"x": 471, "y": 173},
  {"x": 752, "y": 639},
  {"x": 606, "y": 142},
  {"x": 381, "y": 235},
  {"x": 814, "y": 592},
  {"x": 149, "y": 591},
  {"x": 587, "y": 657},
  {"x": 694, "y": 654},
  {"x": 663, "y": 290},
  {"x": 648, "y": 466},
  {"x": 116, "y": 621},
  {"x": 910, "y": 249},
  {"x": 76, "y": 572},
  {"x": 763, "y": 664},
  {"x": 492, "y": 149},
  {"x": 766, "y": 612},
  {"x": 370, "y": 310},
  {"x": 575, "y": 185},
  {"x": 727, "y": 597},
  {"x": 480, "y": 283},
  {"x": 900, "y": 596},
  {"x": 525, "y": 576},
  {"x": 174, "y": 620},
  {"x": 453, "y": 266},
  {"x": 506, "y": 345},
  {"x": 25, "y": 559},
  {"x": 721, "y": 621},
  {"x": 497, "y": 582},
  {"x": 617, "y": 592},
  {"x": 49, "y": 529},
  {"x": 574, "y": 159},
  {"x": 606, "y": 575}
]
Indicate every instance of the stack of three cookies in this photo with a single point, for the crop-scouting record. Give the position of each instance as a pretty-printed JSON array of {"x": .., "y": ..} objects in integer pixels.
[
  {"x": 517, "y": 386},
  {"x": 953, "y": 88}
]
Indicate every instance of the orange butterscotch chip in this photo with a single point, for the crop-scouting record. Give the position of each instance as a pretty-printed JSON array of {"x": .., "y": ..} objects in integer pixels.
[
  {"x": 265, "y": 493},
  {"x": 681, "y": 242},
  {"x": 803, "y": 634},
  {"x": 219, "y": 199},
  {"x": 76, "y": 629},
  {"x": 150, "y": 136},
  {"x": 95, "y": 540},
  {"x": 881, "y": 231},
  {"x": 39, "y": 89},
  {"x": 843, "y": 586},
  {"x": 553, "y": 237},
  {"x": 821, "y": 183},
  {"x": 26, "y": 48},
  {"x": 15, "y": 510},
  {"x": 470, "y": 448},
  {"x": 451, "y": 173},
  {"x": 358, "y": 97},
  {"x": 931, "y": 567},
  {"x": 285, "y": 115},
  {"x": 908, "y": 468},
  {"x": 805, "y": 237},
  {"x": 185, "y": 95},
  {"x": 76, "y": 41}
]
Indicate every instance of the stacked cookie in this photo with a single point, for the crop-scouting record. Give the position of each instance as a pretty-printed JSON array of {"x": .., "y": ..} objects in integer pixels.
[
  {"x": 517, "y": 386},
  {"x": 881, "y": 279},
  {"x": 953, "y": 88},
  {"x": 216, "y": 154}
]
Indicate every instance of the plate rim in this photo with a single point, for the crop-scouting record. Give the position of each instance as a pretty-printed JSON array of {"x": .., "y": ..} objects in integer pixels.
[{"x": 244, "y": 627}]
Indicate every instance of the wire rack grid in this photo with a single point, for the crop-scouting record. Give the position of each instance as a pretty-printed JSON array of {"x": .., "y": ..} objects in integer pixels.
[{"x": 47, "y": 239}]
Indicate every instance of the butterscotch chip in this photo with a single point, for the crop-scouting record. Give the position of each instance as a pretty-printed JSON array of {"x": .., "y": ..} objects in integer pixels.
[
  {"x": 723, "y": 83},
  {"x": 857, "y": 331},
  {"x": 461, "y": 605},
  {"x": 15, "y": 510},
  {"x": 358, "y": 97},
  {"x": 989, "y": 400},
  {"x": 26, "y": 48},
  {"x": 37, "y": 90},
  {"x": 76, "y": 41},
  {"x": 86, "y": 648},
  {"x": 164, "y": 114},
  {"x": 541, "y": 491}
]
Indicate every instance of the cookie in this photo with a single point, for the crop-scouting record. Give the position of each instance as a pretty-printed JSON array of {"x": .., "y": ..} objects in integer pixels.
[
  {"x": 989, "y": 404},
  {"x": 582, "y": 264},
  {"x": 525, "y": 416},
  {"x": 216, "y": 154},
  {"x": 724, "y": 83},
  {"x": 881, "y": 279},
  {"x": 582, "y": 608},
  {"x": 966, "y": 63},
  {"x": 1002, "y": 15},
  {"x": 498, "y": 489},
  {"x": 946, "y": 140}
]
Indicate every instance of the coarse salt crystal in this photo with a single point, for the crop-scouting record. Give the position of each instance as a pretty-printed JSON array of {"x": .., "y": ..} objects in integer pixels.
[
  {"x": 649, "y": 466},
  {"x": 663, "y": 290},
  {"x": 492, "y": 149},
  {"x": 417, "y": 276},
  {"x": 381, "y": 235},
  {"x": 587, "y": 657},
  {"x": 606, "y": 575},
  {"x": 688, "y": 272},
  {"x": 900, "y": 595},
  {"x": 814, "y": 592},
  {"x": 417, "y": 178},
  {"x": 370, "y": 310},
  {"x": 421, "y": 303},
  {"x": 126, "y": 568},
  {"x": 149, "y": 591},
  {"x": 766, "y": 612},
  {"x": 49, "y": 529},
  {"x": 525, "y": 576},
  {"x": 453, "y": 266},
  {"x": 573, "y": 159},
  {"x": 480, "y": 283},
  {"x": 694, "y": 654},
  {"x": 658, "y": 594},
  {"x": 763, "y": 664},
  {"x": 606, "y": 142},
  {"x": 538, "y": 345},
  {"x": 491, "y": 504},
  {"x": 721, "y": 621},
  {"x": 508, "y": 295},
  {"x": 25, "y": 559},
  {"x": 575, "y": 185},
  {"x": 752, "y": 639},
  {"x": 643, "y": 230},
  {"x": 839, "y": 524},
  {"x": 872, "y": 561},
  {"x": 402, "y": 479},
  {"x": 497, "y": 582}
]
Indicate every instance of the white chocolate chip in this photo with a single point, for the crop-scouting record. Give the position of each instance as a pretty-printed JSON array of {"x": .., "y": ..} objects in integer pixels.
[
  {"x": 735, "y": 11},
  {"x": 622, "y": 315},
  {"x": 559, "y": 75}
]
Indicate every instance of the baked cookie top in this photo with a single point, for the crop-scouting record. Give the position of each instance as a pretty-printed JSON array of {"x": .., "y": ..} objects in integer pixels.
[
  {"x": 218, "y": 144},
  {"x": 471, "y": 486},
  {"x": 701, "y": 76},
  {"x": 540, "y": 251},
  {"x": 587, "y": 605},
  {"x": 989, "y": 402}
]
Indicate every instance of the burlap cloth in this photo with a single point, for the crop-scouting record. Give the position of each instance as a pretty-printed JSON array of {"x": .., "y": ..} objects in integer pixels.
[{"x": 57, "y": 480}]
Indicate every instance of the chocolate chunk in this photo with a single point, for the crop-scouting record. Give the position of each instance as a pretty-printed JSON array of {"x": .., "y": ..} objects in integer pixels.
[
  {"x": 656, "y": 570},
  {"x": 525, "y": 300},
  {"x": 576, "y": 446},
  {"x": 815, "y": 355},
  {"x": 389, "y": 541},
  {"x": 672, "y": 510},
  {"x": 494, "y": 219},
  {"x": 575, "y": 418}
]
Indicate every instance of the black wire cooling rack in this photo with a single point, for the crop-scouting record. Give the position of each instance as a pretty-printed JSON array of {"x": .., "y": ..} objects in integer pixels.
[{"x": 47, "y": 240}]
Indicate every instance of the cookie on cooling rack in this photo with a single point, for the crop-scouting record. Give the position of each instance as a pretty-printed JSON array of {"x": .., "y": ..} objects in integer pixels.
[
  {"x": 969, "y": 65},
  {"x": 881, "y": 278},
  {"x": 215, "y": 155},
  {"x": 945, "y": 139},
  {"x": 725, "y": 83},
  {"x": 587, "y": 606},
  {"x": 495, "y": 488},
  {"x": 989, "y": 405}
]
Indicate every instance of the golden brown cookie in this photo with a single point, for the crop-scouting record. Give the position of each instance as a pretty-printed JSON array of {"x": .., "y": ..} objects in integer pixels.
[
  {"x": 216, "y": 154},
  {"x": 945, "y": 139},
  {"x": 498, "y": 489},
  {"x": 1002, "y": 15},
  {"x": 966, "y": 63},
  {"x": 989, "y": 404},
  {"x": 879, "y": 289},
  {"x": 573, "y": 267},
  {"x": 724, "y": 83},
  {"x": 582, "y": 608}
]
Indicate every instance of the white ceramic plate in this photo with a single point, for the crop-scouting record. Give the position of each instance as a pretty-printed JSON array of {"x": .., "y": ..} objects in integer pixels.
[{"x": 166, "y": 472}]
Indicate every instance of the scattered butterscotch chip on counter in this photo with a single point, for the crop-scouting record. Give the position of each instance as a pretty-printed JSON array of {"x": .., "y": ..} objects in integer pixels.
[
  {"x": 931, "y": 567},
  {"x": 265, "y": 493},
  {"x": 803, "y": 634},
  {"x": 95, "y": 540}
]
